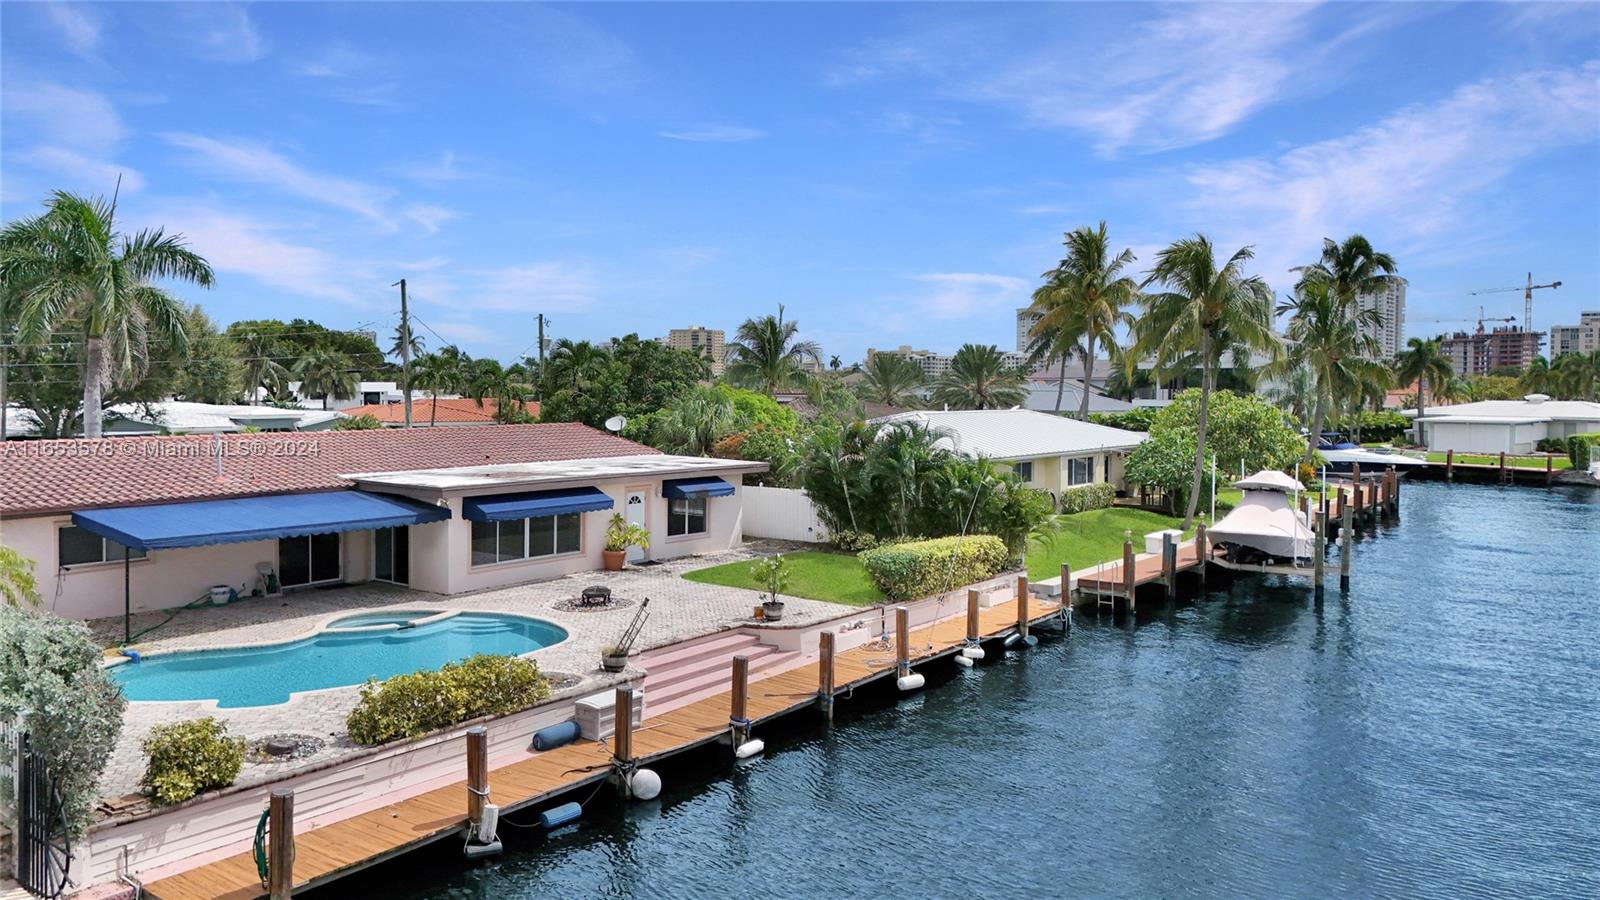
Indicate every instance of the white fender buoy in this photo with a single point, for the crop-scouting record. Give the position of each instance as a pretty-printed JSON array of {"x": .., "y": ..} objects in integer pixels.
[
  {"x": 910, "y": 682},
  {"x": 749, "y": 748},
  {"x": 964, "y": 661},
  {"x": 645, "y": 785},
  {"x": 973, "y": 652}
]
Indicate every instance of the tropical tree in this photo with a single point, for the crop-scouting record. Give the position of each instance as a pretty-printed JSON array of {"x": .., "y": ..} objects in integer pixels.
[
  {"x": 1205, "y": 309},
  {"x": 439, "y": 373},
  {"x": 1350, "y": 269},
  {"x": 766, "y": 353},
  {"x": 904, "y": 463},
  {"x": 1422, "y": 364},
  {"x": 1083, "y": 302},
  {"x": 212, "y": 371},
  {"x": 891, "y": 380},
  {"x": 1537, "y": 378},
  {"x": 1336, "y": 342},
  {"x": 327, "y": 373},
  {"x": 69, "y": 267},
  {"x": 692, "y": 424},
  {"x": 573, "y": 364},
  {"x": 835, "y": 363},
  {"x": 261, "y": 370},
  {"x": 1576, "y": 376},
  {"x": 980, "y": 378}
]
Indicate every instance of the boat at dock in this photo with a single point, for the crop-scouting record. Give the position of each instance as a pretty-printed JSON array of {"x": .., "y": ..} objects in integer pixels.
[
  {"x": 1342, "y": 454},
  {"x": 1265, "y": 527}
]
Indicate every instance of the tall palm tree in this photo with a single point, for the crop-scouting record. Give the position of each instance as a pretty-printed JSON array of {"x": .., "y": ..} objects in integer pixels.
[
  {"x": 767, "y": 353},
  {"x": 980, "y": 378},
  {"x": 1336, "y": 343},
  {"x": 1350, "y": 268},
  {"x": 1084, "y": 301},
  {"x": 1538, "y": 378},
  {"x": 1576, "y": 376},
  {"x": 891, "y": 380},
  {"x": 261, "y": 369},
  {"x": 1204, "y": 310},
  {"x": 438, "y": 373},
  {"x": 486, "y": 379},
  {"x": 326, "y": 372},
  {"x": 1422, "y": 363},
  {"x": 572, "y": 363},
  {"x": 69, "y": 266},
  {"x": 905, "y": 459}
]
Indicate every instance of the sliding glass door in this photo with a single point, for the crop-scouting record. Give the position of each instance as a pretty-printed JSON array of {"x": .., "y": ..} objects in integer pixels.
[
  {"x": 308, "y": 559},
  {"x": 391, "y": 555}
]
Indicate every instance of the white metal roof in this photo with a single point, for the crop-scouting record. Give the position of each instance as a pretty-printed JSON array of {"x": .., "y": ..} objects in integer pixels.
[
  {"x": 201, "y": 418},
  {"x": 1520, "y": 410},
  {"x": 1007, "y": 434},
  {"x": 513, "y": 475}
]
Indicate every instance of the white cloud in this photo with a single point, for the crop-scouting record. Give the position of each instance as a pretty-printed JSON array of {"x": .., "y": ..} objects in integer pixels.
[
  {"x": 252, "y": 162},
  {"x": 88, "y": 176},
  {"x": 461, "y": 332},
  {"x": 221, "y": 32},
  {"x": 1426, "y": 171},
  {"x": 958, "y": 295},
  {"x": 429, "y": 216},
  {"x": 80, "y": 119},
  {"x": 715, "y": 134},
  {"x": 238, "y": 244},
  {"x": 440, "y": 172},
  {"x": 538, "y": 287},
  {"x": 79, "y": 26},
  {"x": 689, "y": 257},
  {"x": 426, "y": 265}
]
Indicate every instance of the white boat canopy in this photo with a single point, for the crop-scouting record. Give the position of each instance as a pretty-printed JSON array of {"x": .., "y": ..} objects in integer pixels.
[
  {"x": 1265, "y": 521},
  {"x": 1269, "y": 480}
]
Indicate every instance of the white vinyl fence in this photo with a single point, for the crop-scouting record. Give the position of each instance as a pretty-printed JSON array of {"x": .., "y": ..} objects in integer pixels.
[{"x": 782, "y": 513}]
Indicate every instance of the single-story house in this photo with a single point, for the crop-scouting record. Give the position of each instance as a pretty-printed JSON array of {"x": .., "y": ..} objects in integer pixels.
[
  {"x": 451, "y": 411},
  {"x": 1509, "y": 426},
  {"x": 185, "y": 417},
  {"x": 155, "y": 522},
  {"x": 1050, "y": 452},
  {"x": 1042, "y": 397}
]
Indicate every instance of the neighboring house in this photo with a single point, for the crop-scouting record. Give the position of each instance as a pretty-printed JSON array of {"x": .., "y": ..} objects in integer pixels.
[
  {"x": 1042, "y": 398},
  {"x": 366, "y": 393},
  {"x": 451, "y": 411},
  {"x": 1510, "y": 426},
  {"x": 441, "y": 511},
  {"x": 1050, "y": 452},
  {"x": 183, "y": 417}
]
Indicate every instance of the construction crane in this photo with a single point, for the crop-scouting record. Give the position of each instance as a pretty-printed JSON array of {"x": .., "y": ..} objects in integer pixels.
[
  {"x": 1527, "y": 298},
  {"x": 1482, "y": 318}
]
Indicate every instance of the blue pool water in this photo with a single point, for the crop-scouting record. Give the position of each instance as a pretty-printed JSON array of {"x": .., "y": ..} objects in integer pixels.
[{"x": 260, "y": 676}]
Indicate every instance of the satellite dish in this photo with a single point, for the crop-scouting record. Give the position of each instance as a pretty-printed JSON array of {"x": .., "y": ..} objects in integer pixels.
[{"x": 616, "y": 423}]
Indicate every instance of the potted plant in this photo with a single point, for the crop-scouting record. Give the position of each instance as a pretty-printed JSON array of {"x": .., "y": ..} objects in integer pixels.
[
  {"x": 620, "y": 535},
  {"x": 613, "y": 658},
  {"x": 771, "y": 573}
]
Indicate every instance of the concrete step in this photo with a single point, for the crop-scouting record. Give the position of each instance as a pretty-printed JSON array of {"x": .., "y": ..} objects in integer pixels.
[
  {"x": 660, "y": 677},
  {"x": 712, "y": 683},
  {"x": 678, "y": 654}
]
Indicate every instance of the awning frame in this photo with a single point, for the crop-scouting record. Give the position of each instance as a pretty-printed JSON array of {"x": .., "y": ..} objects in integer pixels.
[
  {"x": 535, "y": 504},
  {"x": 319, "y": 512},
  {"x": 696, "y": 488}
]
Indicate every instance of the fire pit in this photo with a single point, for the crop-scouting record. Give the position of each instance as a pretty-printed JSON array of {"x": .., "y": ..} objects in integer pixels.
[
  {"x": 596, "y": 598},
  {"x": 595, "y": 595}
]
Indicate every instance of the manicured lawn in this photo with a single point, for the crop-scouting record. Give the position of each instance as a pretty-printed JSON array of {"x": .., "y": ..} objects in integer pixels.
[
  {"x": 813, "y": 574},
  {"x": 1093, "y": 537},
  {"x": 1524, "y": 462}
]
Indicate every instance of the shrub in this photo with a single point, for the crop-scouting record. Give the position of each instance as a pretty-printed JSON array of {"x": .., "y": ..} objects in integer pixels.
[
  {"x": 1383, "y": 426},
  {"x": 852, "y": 541},
  {"x": 415, "y": 704},
  {"x": 363, "y": 422},
  {"x": 1583, "y": 449},
  {"x": 1551, "y": 445},
  {"x": 923, "y": 568},
  {"x": 1136, "y": 419},
  {"x": 1085, "y": 497},
  {"x": 190, "y": 758}
]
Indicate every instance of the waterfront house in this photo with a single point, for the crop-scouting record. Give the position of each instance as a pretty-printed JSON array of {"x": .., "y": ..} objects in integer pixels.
[
  {"x": 155, "y": 522},
  {"x": 1509, "y": 426},
  {"x": 1050, "y": 452}
]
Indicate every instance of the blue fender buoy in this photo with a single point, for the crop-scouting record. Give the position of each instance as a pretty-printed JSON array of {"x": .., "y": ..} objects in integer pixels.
[
  {"x": 557, "y": 816},
  {"x": 556, "y": 735}
]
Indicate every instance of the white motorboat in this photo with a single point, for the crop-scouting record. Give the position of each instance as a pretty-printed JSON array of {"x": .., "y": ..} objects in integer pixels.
[
  {"x": 1265, "y": 527},
  {"x": 1341, "y": 454}
]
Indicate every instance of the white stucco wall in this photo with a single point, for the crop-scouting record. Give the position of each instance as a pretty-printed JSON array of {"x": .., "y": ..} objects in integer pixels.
[{"x": 1483, "y": 437}]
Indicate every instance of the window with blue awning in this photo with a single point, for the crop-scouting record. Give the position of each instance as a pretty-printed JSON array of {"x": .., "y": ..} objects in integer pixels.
[
  {"x": 695, "y": 488},
  {"x": 533, "y": 504},
  {"x": 199, "y": 523}
]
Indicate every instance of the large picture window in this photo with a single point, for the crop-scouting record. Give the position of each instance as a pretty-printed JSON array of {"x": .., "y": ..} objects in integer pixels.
[
  {"x": 497, "y": 542},
  {"x": 1080, "y": 470},
  {"x": 686, "y": 517},
  {"x": 81, "y": 547}
]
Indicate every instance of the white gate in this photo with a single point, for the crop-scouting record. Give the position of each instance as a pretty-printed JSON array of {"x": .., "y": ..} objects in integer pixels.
[{"x": 782, "y": 513}]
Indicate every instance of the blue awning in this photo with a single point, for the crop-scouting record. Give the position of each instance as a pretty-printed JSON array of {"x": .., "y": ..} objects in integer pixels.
[
  {"x": 508, "y": 507},
  {"x": 168, "y": 525},
  {"x": 695, "y": 488}
]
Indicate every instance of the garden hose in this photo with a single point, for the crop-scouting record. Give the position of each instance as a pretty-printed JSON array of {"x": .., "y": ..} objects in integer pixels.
[
  {"x": 202, "y": 600},
  {"x": 259, "y": 849}
]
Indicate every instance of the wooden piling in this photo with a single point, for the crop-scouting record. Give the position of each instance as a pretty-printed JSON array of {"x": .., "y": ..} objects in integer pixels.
[
  {"x": 1066, "y": 586},
  {"x": 1022, "y": 605},
  {"x": 902, "y": 640},
  {"x": 1345, "y": 536},
  {"x": 280, "y": 844},
  {"x": 972, "y": 614},
  {"x": 1502, "y": 467},
  {"x": 1450, "y": 465},
  {"x": 1169, "y": 566},
  {"x": 739, "y": 700},
  {"x": 1202, "y": 552},
  {"x": 1549, "y": 469},
  {"x": 825, "y": 673},
  {"x": 622, "y": 726},
  {"x": 477, "y": 775},
  {"x": 1127, "y": 571},
  {"x": 1319, "y": 561}
]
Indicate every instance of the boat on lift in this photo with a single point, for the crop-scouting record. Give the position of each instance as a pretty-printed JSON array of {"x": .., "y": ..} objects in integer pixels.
[
  {"x": 1265, "y": 527},
  {"x": 1342, "y": 453}
]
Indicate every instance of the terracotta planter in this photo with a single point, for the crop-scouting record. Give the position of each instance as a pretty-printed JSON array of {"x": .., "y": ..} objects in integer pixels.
[{"x": 614, "y": 559}]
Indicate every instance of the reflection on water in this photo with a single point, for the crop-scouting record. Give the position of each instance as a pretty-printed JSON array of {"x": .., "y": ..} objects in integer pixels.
[{"x": 1432, "y": 733}]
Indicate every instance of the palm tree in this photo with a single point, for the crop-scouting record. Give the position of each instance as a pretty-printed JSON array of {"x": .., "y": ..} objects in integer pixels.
[
  {"x": 1538, "y": 377},
  {"x": 328, "y": 373},
  {"x": 693, "y": 423},
  {"x": 835, "y": 363},
  {"x": 905, "y": 458},
  {"x": 1575, "y": 376},
  {"x": 891, "y": 380},
  {"x": 438, "y": 373},
  {"x": 1294, "y": 391},
  {"x": 1204, "y": 310},
  {"x": 486, "y": 379},
  {"x": 766, "y": 353},
  {"x": 261, "y": 370},
  {"x": 1351, "y": 268},
  {"x": 1422, "y": 363},
  {"x": 980, "y": 378},
  {"x": 70, "y": 266},
  {"x": 1336, "y": 343},
  {"x": 1084, "y": 301},
  {"x": 572, "y": 363}
]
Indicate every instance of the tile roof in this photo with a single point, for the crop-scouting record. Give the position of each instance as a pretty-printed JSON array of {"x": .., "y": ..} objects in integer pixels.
[
  {"x": 455, "y": 411},
  {"x": 38, "y": 477}
]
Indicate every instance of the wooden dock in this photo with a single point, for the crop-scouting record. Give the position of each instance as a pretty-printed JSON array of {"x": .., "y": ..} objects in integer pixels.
[{"x": 325, "y": 854}]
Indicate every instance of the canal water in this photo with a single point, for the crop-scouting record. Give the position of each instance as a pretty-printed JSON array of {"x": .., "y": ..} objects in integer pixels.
[{"x": 1434, "y": 733}]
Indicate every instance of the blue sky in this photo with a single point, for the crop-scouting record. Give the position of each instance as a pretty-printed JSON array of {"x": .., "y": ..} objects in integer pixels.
[{"x": 892, "y": 173}]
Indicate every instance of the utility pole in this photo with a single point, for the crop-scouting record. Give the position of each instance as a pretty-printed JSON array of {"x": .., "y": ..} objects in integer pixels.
[
  {"x": 405, "y": 350},
  {"x": 540, "y": 385}
]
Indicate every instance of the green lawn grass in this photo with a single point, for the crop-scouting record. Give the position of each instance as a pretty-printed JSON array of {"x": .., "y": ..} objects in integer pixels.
[
  {"x": 1483, "y": 459},
  {"x": 1093, "y": 537},
  {"x": 814, "y": 574}
]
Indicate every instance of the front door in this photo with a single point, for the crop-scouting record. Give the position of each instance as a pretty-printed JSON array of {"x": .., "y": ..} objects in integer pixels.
[
  {"x": 391, "y": 555},
  {"x": 635, "y": 516}
]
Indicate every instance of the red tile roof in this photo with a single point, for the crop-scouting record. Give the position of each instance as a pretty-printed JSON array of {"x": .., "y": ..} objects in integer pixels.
[
  {"x": 450, "y": 411},
  {"x": 39, "y": 477}
]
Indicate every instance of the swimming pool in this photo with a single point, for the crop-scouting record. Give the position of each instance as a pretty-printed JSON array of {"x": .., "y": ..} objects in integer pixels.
[{"x": 265, "y": 675}]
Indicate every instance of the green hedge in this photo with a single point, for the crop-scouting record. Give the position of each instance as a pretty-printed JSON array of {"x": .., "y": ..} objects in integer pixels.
[
  {"x": 1550, "y": 445},
  {"x": 190, "y": 758},
  {"x": 1383, "y": 426},
  {"x": 1582, "y": 449},
  {"x": 923, "y": 568},
  {"x": 1136, "y": 419},
  {"x": 413, "y": 705},
  {"x": 1085, "y": 497}
]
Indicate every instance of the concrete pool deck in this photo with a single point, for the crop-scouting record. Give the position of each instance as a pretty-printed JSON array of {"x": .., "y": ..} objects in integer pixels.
[{"x": 679, "y": 610}]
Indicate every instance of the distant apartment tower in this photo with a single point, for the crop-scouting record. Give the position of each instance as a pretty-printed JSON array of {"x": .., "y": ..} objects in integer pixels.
[
  {"x": 933, "y": 365},
  {"x": 1482, "y": 352},
  {"x": 701, "y": 341},
  {"x": 1026, "y": 319},
  {"x": 1390, "y": 304},
  {"x": 1583, "y": 337}
]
